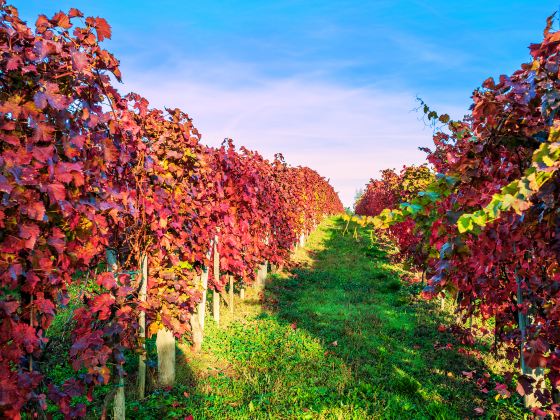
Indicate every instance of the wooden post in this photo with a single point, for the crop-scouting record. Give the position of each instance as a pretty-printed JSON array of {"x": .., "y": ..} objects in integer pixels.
[
  {"x": 165, "y": 343},
  {"x": 196, "y": 328},
  {"x": 261, "y": 275},
  {"x": 202, "y": 304},
  {"x": 119, "y": 406},
  {"x": 196, "y": 332},
  {"x": 242, "y": 293},
  {"x": 216, "y": 306},
  {"x": 215, "y": 294},
  {"x": 142, "y": 327},
  {"x": 302, "y": 240},
  {"x": 199, "y": 316},
  {"x": 537, "y": 374},
  {"x": 231, "y": 295},
  {"x": 264, "y": 268},
  {"x": 112, "y": 264}
]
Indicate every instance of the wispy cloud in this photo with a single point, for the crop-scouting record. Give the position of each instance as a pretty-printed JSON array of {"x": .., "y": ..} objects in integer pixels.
[
  {"x": 331, "y": 84},
  {"x": 347, "y": 134}
]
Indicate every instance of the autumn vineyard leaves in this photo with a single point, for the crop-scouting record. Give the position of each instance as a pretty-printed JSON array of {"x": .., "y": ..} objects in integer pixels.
[
  {"x": 99, "y": 185},
  {"x": 484, "y": 227},
  {"x": 119, "y": 210}
]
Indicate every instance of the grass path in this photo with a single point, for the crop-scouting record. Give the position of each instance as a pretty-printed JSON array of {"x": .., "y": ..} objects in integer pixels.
[{"x": 335, "y": 337}]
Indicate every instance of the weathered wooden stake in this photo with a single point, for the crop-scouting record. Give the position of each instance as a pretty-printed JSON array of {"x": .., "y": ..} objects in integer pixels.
[
  {"x": 202, "y": 304},
  {"x": 196, "y": 332},
  {"x": 215, "y": 294},
  {"x": 216, "y": 306},
  {"x": 261, "y": 274},
  {"x": 264, "y": 267},
  {"x": 142, "y": 326},
  {"x": 196, "y": 329},
  {"x": 537, "y": 374},
  {"x": 165, "y": 343},
  {"x": 119, "y": 402},
  {"x": 242, "y": 293},
  {"x": 231, "y": 295}
]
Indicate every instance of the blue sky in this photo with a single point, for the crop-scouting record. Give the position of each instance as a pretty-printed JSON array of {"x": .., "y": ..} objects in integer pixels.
[{"x": 330, "y": 84}]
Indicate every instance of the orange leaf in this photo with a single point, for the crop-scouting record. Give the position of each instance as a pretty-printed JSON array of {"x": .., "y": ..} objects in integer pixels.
[
  {"x": 62, "y": 20},
  {"x": 75, "y": 13},
  {"x": 102, "y": 28}
]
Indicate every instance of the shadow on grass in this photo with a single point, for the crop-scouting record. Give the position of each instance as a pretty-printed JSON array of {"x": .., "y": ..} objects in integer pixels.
[
  {"x": 339, "y": 337},
  {"x": 350, "y": 297}
]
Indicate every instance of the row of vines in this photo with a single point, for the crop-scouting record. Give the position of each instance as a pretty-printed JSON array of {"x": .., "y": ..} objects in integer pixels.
[
  {"x": 481, "y": 221},
  {"x": 98, "y": 186}
]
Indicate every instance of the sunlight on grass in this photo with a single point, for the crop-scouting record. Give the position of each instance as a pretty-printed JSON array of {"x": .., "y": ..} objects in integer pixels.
[{"x": 341, "y": 338}]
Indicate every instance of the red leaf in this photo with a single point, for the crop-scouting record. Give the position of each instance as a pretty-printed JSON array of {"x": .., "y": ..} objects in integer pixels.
[
  {"x": 62, "y": 20},
  {"x": 36, "y": 210},
  {"x": 534, "y": 359},
  {"x": 110, "y": 151},
  {"x": 502, "y": 390},
  {"x": 93, "y": 339},
  {"x": 80, "y": 60},
  {"x": 42, "y": 132},
  {"x": 489, "y": 83},
  {"x": 106, "y": 280},
  {"x": 57, "y": 240},
  {"x": 524, "y": 385},
  {"x": 73, "y": 388},
  {"x": 42, "y": 23},
  {"x": 101, "y": 26},
  {"x": 56, "y": 192},
  {"x": 539, "y": 412},
  {"x": 14, "y": 63},
  {"x": 40, "y": 100},
  {"x": 41, "y": 49},
  {"x": 102, "y": 304},
  {"x": 55, "y": 99},
  {"x": 26, "y": 336},
  {"x": 43, "y": 154},
  {"x": 8, "y": 308},
  {"x": 75, "y": 13},
  {"x": 45, "y": 306},
  {"x": 5, "y": 185},
  {"x": 51, "y": 96},
  {"x": 30, "y": 232},
  {"x": 467, "y": 374},
  {"x": 67, "y": 172},
  {"x": 293, "y": 326}
]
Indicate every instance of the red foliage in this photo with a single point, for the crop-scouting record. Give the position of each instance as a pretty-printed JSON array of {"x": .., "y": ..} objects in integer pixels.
[
  {"x": 508, "y": 270},
  {"x": 517, "y": 255},
  {"x": 84, "y": 169},
  {"x": 388, "y": 192}
]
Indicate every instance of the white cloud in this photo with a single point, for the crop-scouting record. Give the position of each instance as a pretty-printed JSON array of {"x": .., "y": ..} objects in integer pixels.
[{"x": 346, "y": 134}]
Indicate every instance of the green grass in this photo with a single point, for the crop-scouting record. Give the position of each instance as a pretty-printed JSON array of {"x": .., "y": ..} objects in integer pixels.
[{"x": 338, "y": 336}]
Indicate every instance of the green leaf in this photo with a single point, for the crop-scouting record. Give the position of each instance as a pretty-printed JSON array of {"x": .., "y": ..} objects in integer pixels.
[{"x": 465, "y": 223}]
